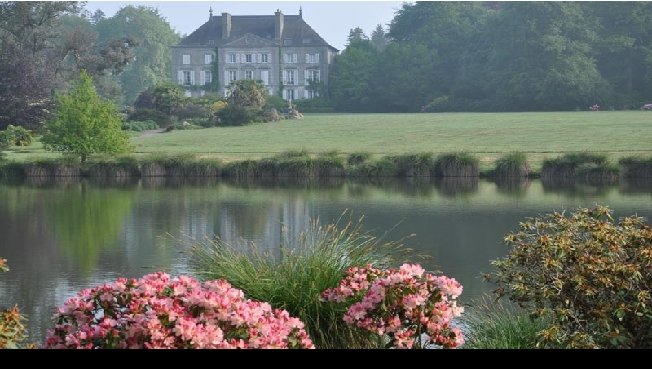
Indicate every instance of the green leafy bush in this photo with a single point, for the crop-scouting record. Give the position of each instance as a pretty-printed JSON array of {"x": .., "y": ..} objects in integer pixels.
[
  {"x": 6, "y": 140},
  {"x": 15, "y": 136},
  {"x": 588, "y": 274},
  {"x": 142, "y": 115},
  {"x": 138, "y": 126},
  {"x": 85, "y": 123}
]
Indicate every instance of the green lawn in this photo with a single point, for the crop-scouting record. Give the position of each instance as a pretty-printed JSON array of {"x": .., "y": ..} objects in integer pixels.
[{"x": 488, "y": 135}]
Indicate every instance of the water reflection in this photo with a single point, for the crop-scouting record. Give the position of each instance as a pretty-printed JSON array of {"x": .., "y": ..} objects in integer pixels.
[
  {"x": 86, "y": 221},
  {"x": 62, "y": 236}
]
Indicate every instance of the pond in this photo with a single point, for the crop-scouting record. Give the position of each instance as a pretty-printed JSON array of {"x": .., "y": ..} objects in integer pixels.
[{"x": 64, "y": 236}]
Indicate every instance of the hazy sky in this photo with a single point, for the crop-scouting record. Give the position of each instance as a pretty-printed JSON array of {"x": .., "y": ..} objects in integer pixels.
[{"x": 331, "y": 19}]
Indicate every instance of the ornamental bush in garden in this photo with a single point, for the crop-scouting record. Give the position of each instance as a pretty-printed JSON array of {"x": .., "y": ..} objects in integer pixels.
[
  {"x": 404, "y": 305},
  {"x": 589, "y": 274},
  {"x": 12, "y": 328},
  {"x": 158, "y": 311}
]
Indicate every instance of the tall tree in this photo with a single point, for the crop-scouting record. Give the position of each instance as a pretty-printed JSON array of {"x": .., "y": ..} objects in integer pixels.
[
  {"x": 153, "y": 35},
  {"x": 623, "y": 48},
  {"x": 379, "y": 38},
  {"x": 542, "y": 57},
  {"x": 28, "y": 60},
  {"x": 448, "y": 28},
  {"x": 404, "y": 78},
  {"x": 350, "y": 76},
  {"x": 356, "y": 34},
  {"x": 79, "y": 50}
]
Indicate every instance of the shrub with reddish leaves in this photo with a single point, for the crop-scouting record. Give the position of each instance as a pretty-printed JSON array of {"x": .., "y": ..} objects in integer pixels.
[
  {"x": 404, "y": 304},
  {"x": 157, "y": 311}
]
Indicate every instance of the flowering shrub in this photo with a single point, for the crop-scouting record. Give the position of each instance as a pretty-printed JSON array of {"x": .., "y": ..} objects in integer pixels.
[
  {"x": 586, "y": 272},
  {"x": 157, "y": 311},
  {"x": 594, "y": 107},
  {"x": 646, "y": 107},
  {"x": 402, "y": 304},
  {"x": 12, "y": 329}
]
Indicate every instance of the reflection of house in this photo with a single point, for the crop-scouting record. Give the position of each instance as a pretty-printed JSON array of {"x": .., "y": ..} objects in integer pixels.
[{"x": 280, "y": 50}]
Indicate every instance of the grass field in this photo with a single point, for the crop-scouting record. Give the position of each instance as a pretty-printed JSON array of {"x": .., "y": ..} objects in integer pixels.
[{"x": 487, "y": 135}]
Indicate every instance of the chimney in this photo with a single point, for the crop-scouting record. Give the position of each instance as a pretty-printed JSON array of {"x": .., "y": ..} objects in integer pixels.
[
  {"x": 226, "y": 25},
  {"x": 278, "y": 24}
]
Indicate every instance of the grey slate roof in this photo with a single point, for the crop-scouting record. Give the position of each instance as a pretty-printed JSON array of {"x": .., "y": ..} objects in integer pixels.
[{"x": 295, "y": 29}]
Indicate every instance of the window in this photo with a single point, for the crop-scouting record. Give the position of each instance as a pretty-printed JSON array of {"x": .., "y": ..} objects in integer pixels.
[
  {"x": 187, "y": 78},
  {"x": 287, "y": 41},
  {"x": 289, "y": 76},
  {"x": 231, "y": 75},
  {"x": 264, "y": 76},
  {"x": 310, "y": 94},
  {"x": 312, "y": 58},
  {"x": 230, "y": 58},
  {"x": 288, "y": 94},
  {"x": 264, "y": 58},
  {"x": 249, "y": 58},
  {"x": 312, "y": 75},
  {"x": 186, "y": 58},
  {"x": 249, "y": 74},
  {"x": 206, "y": 77},
  {"x": 289, "y": 58},
  {"x": 208, "y": 58}
]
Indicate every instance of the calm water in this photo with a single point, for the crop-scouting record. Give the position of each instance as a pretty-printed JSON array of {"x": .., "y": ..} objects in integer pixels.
[{"x": 62, "y": 237}]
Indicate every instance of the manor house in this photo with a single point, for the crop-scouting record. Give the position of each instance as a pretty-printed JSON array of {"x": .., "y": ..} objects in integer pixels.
[{"x": 282, "y": 51}]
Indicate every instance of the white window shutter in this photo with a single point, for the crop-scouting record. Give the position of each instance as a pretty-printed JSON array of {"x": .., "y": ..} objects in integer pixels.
[
  {"x": 307, "y": 58},
  {"x": 317, "y": 58},
  {"x": 202, "y": 77},
  {"x": 237, "y": 58},
  {"x": 227, "y": 58},
  {"x": 180, "y": 77},
  {"x": 305, "y": 94},
  {"x": 192, "y": 77},
  {"x": 306, "y": 76},
  {"x": 269, "y": 58}
]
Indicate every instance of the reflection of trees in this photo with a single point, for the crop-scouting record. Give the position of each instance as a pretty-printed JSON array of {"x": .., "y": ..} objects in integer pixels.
[{"x": 87, "y": 221}]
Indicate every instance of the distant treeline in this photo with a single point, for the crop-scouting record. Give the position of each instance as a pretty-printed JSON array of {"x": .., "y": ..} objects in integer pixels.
[
  {"x": 45, "y": 45},
  {"x": 499, "y": 56}
]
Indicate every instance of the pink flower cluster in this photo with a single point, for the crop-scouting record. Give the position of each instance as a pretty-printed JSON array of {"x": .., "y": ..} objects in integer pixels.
[
  {"x": 157, "y": 311},
  {"x": 404, "y": 304}
]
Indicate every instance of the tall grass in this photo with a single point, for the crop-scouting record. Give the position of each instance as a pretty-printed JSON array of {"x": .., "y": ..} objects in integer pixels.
[
  {"x": 635, "y": 167},
  {"x": 570, "y": 165},
  {"x": 512, "y": 165},
  {"x": 496, "y": 325},
  {"x": 307, "y": 266},
  {"x": 456, "y": 165}
]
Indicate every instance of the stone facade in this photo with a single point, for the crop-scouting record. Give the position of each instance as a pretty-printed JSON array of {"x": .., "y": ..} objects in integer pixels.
[{"x": 282, "y": 51}]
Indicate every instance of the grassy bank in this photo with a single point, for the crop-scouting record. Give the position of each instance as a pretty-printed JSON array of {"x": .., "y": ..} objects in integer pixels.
[
  {"x": 486, "y": 136},
  {"x": 582, "y": 167}
]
